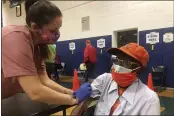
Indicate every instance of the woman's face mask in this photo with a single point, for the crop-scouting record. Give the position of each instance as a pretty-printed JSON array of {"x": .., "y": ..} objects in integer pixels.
[
  {"x": 49, "y": 37},
  {"x": 47, "y": 33}
]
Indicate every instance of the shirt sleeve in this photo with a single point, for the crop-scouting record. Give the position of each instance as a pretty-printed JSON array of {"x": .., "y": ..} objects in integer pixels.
[
  {"x": 151, "y": 107},
  {"x": 86, "y": 54},
  {"x": 17, "y": 55},
  {"x": 98, "y": 85}
]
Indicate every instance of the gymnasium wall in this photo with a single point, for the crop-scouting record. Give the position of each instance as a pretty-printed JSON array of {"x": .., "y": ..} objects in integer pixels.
[
  {"x": 109, "y": 16},
  {"x": 105, "y": 17},
  {"x": 74, "y": 60},
  {"x": 162, "y": 55}
]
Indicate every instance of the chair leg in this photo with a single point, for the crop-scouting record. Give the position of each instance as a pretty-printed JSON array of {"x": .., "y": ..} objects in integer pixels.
[
  {"x": 64, "y": 112},
  {"x": 162, "y": 84}
]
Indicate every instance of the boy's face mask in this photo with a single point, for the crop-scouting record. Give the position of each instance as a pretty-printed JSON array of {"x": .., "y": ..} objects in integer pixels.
[
  {"x": 123, "y": 76},
  {"x": 49, "y": 37}
]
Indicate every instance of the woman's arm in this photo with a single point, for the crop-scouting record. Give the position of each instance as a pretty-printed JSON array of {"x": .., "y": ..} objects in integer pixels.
[
  {"x": 38, "y": 92},
  {"x": 51, "y": 84}
]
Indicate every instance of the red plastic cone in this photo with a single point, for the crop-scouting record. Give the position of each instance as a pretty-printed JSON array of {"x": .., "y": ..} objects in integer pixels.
[
  {"x": 150, "y": 82},
  {"x": 75, "y": 81}
]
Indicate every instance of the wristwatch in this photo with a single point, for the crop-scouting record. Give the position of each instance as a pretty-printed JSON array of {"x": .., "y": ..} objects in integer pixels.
[{"x": 74, "y": 95}]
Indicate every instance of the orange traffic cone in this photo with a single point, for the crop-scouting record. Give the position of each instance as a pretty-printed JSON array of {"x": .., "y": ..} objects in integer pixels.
[
  {"x": 75, "y": 81},
  {"x": 150, "y": 82}
]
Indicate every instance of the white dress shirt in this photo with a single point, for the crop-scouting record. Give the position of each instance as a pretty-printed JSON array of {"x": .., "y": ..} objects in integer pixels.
[{"x": 137, "y": 99}]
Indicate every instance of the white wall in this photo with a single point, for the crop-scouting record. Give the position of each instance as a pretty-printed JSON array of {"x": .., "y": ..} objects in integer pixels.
[
  {"x": 66, "y": 5},
  {"x": 109, "y": 16},
  {"x": 9, "y": 15},
  {"x": 106, "y": 16}
]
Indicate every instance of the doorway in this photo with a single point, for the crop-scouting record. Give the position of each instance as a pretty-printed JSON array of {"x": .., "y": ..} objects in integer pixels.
[{"x": 126, "y": 36}]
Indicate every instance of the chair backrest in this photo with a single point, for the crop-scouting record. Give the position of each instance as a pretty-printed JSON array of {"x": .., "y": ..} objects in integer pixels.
[
  {"x": 63, "y": 64},
  {"x": 80, "y": 109},
  {"x": 158, "y": 72},
  {"x": 159, "y": 69}
]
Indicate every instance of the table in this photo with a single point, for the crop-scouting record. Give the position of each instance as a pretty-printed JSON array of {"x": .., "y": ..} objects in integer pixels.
[
  {"x": 52, "y": 110},
  {"x": 21, "y": 105}
]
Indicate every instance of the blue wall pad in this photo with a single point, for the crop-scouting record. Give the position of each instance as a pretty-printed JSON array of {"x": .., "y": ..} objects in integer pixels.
[
  {"x": 74, "y": 60},
  {"x": 163, "y": 54}
]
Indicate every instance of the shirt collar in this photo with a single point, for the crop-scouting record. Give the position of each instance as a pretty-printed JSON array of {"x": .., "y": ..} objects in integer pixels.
[
  {"x": 129, "y": 93},
  {"x": 113, "y": 86}
]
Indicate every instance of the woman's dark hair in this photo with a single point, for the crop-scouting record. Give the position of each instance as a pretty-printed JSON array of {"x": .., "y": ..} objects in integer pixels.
[{"x": 41, "y": 12}]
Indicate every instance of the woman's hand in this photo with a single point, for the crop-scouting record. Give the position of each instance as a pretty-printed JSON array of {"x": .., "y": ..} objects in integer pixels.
[
  {"x": 53, "y": 85},
  {"x": 83, "y": 92}
]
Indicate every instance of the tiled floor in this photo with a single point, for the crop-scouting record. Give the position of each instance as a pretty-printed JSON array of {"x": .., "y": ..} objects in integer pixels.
[
  {"x": 68, "y": 112},
  {"x": 162, "y": 109},
  {"x": 167, "y": 93},
  {"x": 166, "y": 99}
]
